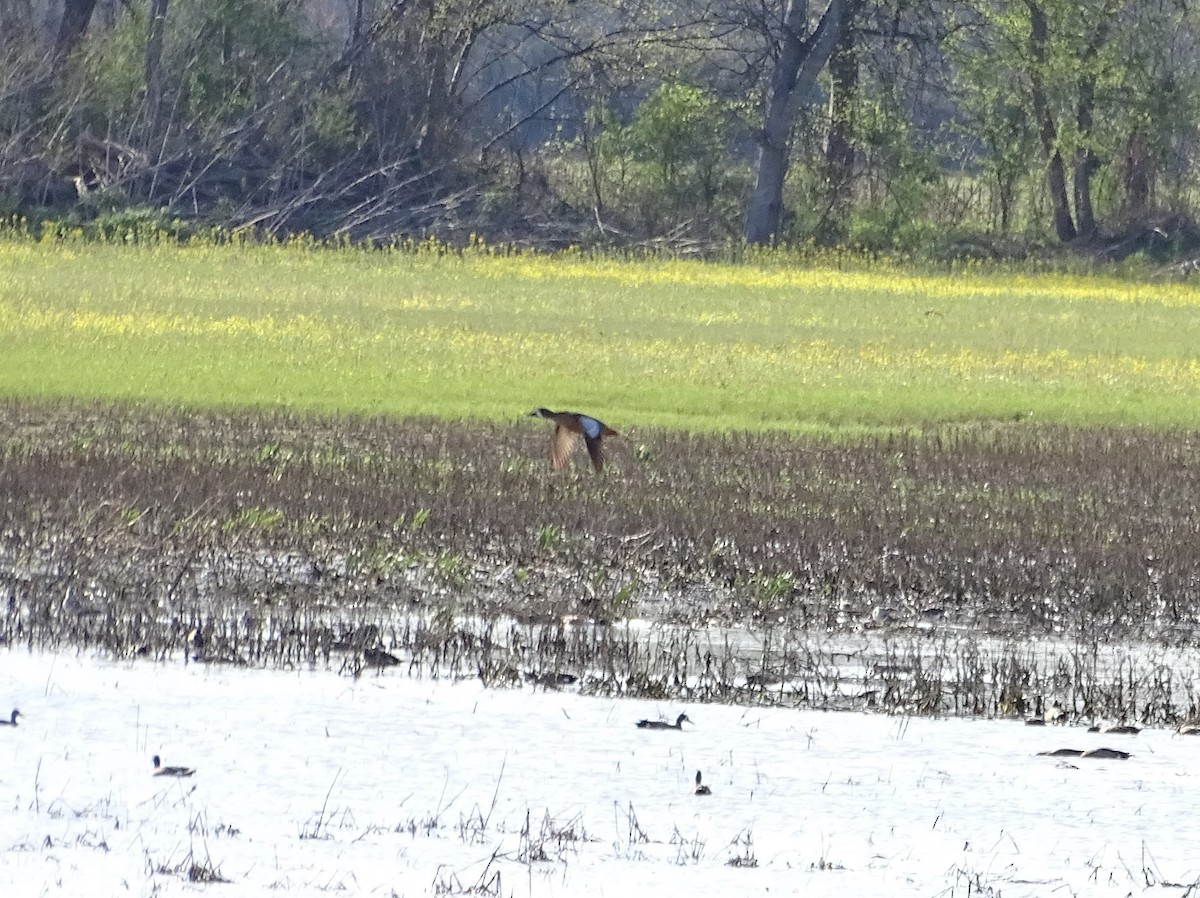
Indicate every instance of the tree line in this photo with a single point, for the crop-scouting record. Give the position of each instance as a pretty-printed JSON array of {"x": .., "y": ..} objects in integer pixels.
[{"x": 886, "y": 124}]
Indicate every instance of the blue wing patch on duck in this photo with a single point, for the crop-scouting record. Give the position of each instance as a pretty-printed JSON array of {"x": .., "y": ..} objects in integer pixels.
[
  {"x": 570, "y": 429},
  {"x": 591, "y": 427}
]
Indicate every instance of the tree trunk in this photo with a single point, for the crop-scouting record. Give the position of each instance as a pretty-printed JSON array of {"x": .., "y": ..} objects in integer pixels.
[
  {"x": 1137, "y": 177},
  {"x": 839, "y": 140},
  {"x": 1085, "y": 165},
  {"x": 77, "y": 15},
  {"x": 1056, "y": 175},
  {"x": 797, "y": 65},
  {"x": 154, "y": 48},
  {"x": 1085, "y": 160}
]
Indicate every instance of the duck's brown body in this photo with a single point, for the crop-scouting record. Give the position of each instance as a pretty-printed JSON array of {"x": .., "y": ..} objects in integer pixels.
[{"x": 571, "y": 429}]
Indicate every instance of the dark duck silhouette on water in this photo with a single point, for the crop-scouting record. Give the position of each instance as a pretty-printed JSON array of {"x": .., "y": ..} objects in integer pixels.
[
  {"x": 700, "y": 788},
  {"x": 662, "y": 724},
  {"x": 12, "y": 721},
  {"x": 1120, "y": 729},
  {"x": 570, "y": 429},
  {"x": 160, "y": 770},
  {"x": 1100, "y": 753}
]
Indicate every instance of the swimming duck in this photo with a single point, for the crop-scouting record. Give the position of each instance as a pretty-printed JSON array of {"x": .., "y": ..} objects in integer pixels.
[
  {"x": 1100, "y": 753},
  {"x": 1114, "y": 753},
  {"x": 700, "y": 788},
  {"x": 159, "y": 770},
  {"x": 379, "y": 658},
  {"x": 662, "y": 724},
  {"x": 1119, "y": 729},
  {"x": 1063, "y": 753},
  {"x": 11, "y": 722},
  {"x": 569, "y": 429}
]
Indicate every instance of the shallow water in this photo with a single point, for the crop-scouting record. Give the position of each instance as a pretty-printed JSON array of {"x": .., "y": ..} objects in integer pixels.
[{"x": 308, "y": 782}]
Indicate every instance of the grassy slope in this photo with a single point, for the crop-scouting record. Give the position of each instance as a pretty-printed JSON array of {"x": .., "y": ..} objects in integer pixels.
[{"x": 701, "y": 346}]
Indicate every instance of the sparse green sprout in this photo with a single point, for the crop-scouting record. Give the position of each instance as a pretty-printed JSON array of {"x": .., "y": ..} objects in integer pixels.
[
  {"x": 253, "y": 519},
  {"x": 549, "y": 537},
  {"x": 623, "y": 597},
  {"x": 451, "y": 568},
  {"x": 266, "y": 452},
  {"x": 773, "y": 587}
]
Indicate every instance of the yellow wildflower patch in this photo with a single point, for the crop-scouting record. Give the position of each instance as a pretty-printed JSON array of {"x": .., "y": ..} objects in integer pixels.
[{"x": 675, "y": 342}]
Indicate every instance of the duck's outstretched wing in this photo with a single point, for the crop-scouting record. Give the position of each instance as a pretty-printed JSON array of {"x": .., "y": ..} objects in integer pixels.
[
  {"x": 593, "y": 435},
  {"x": 562, "y": 444},
  {"x": 596, "y": 451}
]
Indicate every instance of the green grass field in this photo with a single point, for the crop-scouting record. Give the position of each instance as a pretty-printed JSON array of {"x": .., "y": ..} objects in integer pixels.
[{"x": 695, "y": 345}]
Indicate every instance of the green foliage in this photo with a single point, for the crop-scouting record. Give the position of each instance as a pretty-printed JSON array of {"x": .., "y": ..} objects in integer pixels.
[
  {"x": 222, "y": 58},
  {"x": 230, "y": 51},
  {"x": 680, "y": 133},
  {"x": 896, "y": 184},
  {"x": 111, "y": 73},
  {"x": 904, "y": 179},
  {"x": 331, "y": 126},
  {"x": 108, "y": 217},
  {"x": 669, "y": 162},
  {"x": 1122, "y": 51},
  {"x": 226, "y": 64},
  {"x": 610, "y": 151}
]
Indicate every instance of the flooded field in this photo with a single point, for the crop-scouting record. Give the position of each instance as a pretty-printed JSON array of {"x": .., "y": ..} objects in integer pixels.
[
  {"x": 971, "y": 571},
  {"x": 308, "y": 782}
]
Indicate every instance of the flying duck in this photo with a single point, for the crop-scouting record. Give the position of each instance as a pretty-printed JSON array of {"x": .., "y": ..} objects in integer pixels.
[
  {"x": 159, "y": 770},
  {"x": 11, "y": 722},
  {"x": 571, "y": 428},
  {"x": 662, "y": 724},
  {"x": 700, "y": 788}
]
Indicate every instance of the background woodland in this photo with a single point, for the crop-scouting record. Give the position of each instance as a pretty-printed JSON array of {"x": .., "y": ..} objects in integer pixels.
[{"x": 943, "y": 129}]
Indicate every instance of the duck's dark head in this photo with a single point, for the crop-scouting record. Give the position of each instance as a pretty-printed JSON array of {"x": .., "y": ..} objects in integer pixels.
[
  {"x": 681, "y": 719},
  {"x": 157, "y": 761},
  {"x": 541, "y": 413}
]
